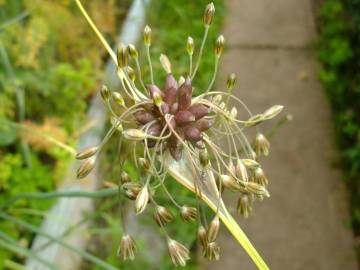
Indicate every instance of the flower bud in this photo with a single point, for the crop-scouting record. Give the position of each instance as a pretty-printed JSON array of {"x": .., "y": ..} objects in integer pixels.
[
  {"x": 162, "y": 215},
  {"x": 131, "y": 190},
  {"x": 231, "y": 81},
  {"x": 117, "y": 97},
  {"x": 86, "y": 167},
  {"x": 86, "y": 153},
  {"x": 233, "y": 113},
  {"x": 135, "y": 134},
  {"x": 124, "y": 178},
  {"x": 190, "y": 46},
  {"x": 105, "y": 93},
  {"x": 188, "y": 213},
  {"x": 244, "y": 205},
  {"x": 213, "y": 229},
  {"x": 212, "y": 251},
  {"x": 259, "y": 177},
  {"x": 250, "y": 163},
  {"x": 122, "y": 56},
  {"x": 165, "y": 62},
  {"x": 273, "y": 111},
  {"x": 147, "y": 35},
  {"x": 261, "y": 145},
  {"x": 131, "y": 73},
  {"x": 132, "y": 51},
  {"x": 179, "y": 253},
  {"x": 219, "y": 45},
  {"x": 127, "y": 248},
  {"x": 144, "y": 163},
  {"x": 240, "y": 170},
  {"x": 257, "y": 189},
  {"x": 142, "y": 200},
  {"x": 209, "y": 14},
  {"x": 229, "y": 182},
  {"x": 202, "y": 235}
]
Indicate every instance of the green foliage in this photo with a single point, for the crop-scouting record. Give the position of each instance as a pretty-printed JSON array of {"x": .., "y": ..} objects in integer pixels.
[
  {"x": 339, "y": 52},
  {"x": 50, "y": 63}
]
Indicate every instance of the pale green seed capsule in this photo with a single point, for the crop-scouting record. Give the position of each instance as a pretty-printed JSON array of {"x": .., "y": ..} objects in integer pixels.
[
  {"x": 231, "y": 81},
  {"x": 190, "y": 46},
  {"x": 219, "y": 45},
  {"x": 147, "y": 35}
]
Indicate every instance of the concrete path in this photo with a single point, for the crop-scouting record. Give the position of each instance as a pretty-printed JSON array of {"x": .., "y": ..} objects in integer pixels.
[{"x": 302, "y": 225}]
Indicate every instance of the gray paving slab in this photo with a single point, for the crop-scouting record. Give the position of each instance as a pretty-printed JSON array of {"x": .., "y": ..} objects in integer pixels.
[{"x": 303, "y": 224}]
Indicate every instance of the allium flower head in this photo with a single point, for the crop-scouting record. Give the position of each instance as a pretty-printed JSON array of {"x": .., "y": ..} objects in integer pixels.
[{"x": 199, "y": 140}]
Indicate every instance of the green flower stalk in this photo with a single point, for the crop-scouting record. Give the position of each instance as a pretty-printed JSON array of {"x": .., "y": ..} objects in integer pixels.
[{"x": 183, "y": 136}]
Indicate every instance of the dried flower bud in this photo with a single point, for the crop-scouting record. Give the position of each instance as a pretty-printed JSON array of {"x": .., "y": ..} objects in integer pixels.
[
  {"x": 272, "y": 112},
  {"x": 190, "y": 46},
  {"x": 204, "y": 158},
  {"x": 241, "y": 171},
  {"x": 135, "y": 134},
  {"x": 179, "y": 253},
  {"x": 257, "y": 189},
  {"x": 188, "y": 213},
  {"x": 261, "y": 145},
  {"x": 88, "y": 152},
  {"x": 162, "y": 215},
  {"x": 213, "y": 229},
  {"x": 259, "y": 177},
  {"x": 132, "y": 190},
  {"x": 147, "y": 35},
  {"x": 117, "y": 97},
  {"x": 127, "y": 248},
  {"x": 212, "y": 251},
  {"x": 86, "y": 167},
  {"x": 209, "y": 14},
  {"x": 250, "y": 163},
  {"x": 124, "y": 178},
  {"x": 144, "y": 163},
  {"x": 142, "y": 200},
  {"x": 202, "y": 235},
  {"x": 122, "y": 56},
  {"x": 229, "y": 182},
  {"x": 219, "y": 45},
  {"x": 244, "y": 205},
  {"x": 165, "y": 62},
  {"x": 105, "y": 93},
  {"x": 131, "y": 73},
  {"x": 231, "y": 81},
  {"x": 132, "y": 51}
]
